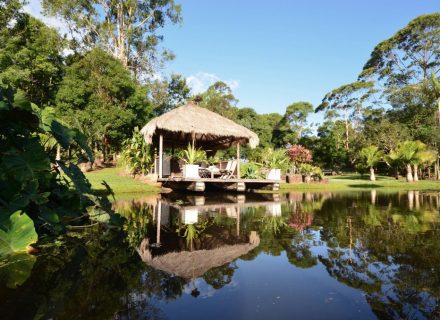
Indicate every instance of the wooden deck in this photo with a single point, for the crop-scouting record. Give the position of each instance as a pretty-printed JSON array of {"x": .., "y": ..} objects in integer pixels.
[{"x": 203, "y": 184}]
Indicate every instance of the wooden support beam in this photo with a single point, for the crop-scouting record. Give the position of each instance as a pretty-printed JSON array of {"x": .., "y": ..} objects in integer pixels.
[
  {"x": 160, "y": 155},
  {"x": 238, "y": 160}
]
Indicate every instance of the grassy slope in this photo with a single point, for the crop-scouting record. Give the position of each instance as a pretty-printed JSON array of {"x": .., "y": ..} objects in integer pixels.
[
  {"x": 356, "y": 182},
  {"x": 123, "y": 186}
]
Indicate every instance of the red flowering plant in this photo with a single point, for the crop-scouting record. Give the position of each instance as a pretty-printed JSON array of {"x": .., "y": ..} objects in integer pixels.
[{"x": 299, "y": 155}]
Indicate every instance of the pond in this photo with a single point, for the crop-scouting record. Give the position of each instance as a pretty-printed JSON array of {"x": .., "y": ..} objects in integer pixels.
[{"x": 362, "y": 255}]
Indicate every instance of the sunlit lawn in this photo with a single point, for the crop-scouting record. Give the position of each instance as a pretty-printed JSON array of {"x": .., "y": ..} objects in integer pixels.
[
  {"x": 357, "y": 182},
  {"x": 127, "y": 188},
  {"x": 122, "y": 186}
]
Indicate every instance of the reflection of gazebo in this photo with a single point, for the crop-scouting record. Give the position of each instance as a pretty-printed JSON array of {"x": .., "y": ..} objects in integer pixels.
[{"x": 193, "y": 264}]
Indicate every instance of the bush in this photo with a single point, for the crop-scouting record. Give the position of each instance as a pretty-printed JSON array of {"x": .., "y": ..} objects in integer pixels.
[{"x": 136, "y": 154}]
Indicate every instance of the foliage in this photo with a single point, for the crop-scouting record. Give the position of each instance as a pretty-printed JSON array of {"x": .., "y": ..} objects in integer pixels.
[
  {"x": 370, "y": 156},
  {"x": 275, "y": 159},
  {"x": 250, "y": 170},
  {"x": 299, "y": 155},
  {"x": 192, "y": 155},
  {"x": 54, "y": 194},
  {"x": 30, "y": 57},
  {"x": 219, "y": 98},
  {"x": 136, "y": 154},
  {"x": 127, "y": 30},
  {"x": 169, "y": 94},
  {"x": 16, "y": 233},
  {"x": 99, "y": 97}
]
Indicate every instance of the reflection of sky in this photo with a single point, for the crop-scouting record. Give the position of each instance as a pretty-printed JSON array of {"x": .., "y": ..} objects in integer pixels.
[{"x": 206, "y": 290}]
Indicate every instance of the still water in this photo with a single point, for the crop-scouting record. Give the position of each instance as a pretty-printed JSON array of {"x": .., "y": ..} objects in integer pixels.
[{"x": 362, "y": 255}]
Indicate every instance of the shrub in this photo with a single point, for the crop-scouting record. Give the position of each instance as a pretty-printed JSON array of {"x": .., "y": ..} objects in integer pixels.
[{"x": 136, "y": 154}]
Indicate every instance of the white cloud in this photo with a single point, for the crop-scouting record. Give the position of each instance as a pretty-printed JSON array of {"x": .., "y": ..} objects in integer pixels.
[
  {"x": 202, "y": 80},
  {"x": 34, "y": 9}
]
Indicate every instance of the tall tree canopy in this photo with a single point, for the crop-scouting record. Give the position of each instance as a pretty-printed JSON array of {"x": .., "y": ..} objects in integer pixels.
[
  {"x": 348, "y": 103},
  {"x": 30, "y": 55},
  {"x": 219, "y": 98},
  {"x": 126, "y": 29},
  {"x": 100, "y": 97},
  {"x": 168, "y": 94}
]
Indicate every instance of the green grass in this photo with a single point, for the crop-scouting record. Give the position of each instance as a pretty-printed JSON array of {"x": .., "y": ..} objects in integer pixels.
[
  {"x": 126, "y": 188},
  {"x": 123, "y": 187},
  {"x": 357, "y": 182}
]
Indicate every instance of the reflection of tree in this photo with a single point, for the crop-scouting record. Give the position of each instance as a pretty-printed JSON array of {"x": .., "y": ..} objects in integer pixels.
[
  {"x": 299, "y": 253},
  {"x": 391, "y": 257},
  {"x": 220, "y": 276}
]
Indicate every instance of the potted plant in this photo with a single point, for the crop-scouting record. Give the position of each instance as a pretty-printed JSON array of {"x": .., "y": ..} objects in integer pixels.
[
  {"x": 275, "y": 161},
  {"x": 307, "y": 170},
  {"x": 298, "y": 155},
  {"x": 192, "y": 157}
]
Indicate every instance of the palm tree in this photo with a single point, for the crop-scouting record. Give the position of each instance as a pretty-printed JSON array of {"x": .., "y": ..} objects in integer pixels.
[
  {"x": 425, "y": 158},
  {"x": 410, "y": 154},
  {"x": 370, "y": 156}
]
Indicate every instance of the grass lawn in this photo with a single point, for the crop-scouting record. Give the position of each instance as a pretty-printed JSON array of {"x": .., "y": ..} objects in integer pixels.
[
  {"x": 357, "y": 182},
  {"x": 124, "y": 187},
  {"x": 128, "y": 188}
]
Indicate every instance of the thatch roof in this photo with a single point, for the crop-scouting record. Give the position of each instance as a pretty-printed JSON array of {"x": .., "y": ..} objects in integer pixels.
[
  {"x": 209, "y": 129},
  {"x": 193, "y": 264}
]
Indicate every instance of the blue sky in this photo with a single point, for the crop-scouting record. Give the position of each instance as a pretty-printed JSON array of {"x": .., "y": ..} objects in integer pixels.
[{"x": 273, "y": 53}]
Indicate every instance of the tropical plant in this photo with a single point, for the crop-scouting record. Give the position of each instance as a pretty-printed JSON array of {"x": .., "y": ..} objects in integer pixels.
[
  {"x": 250, "y": 171},
  {"x": 299, "y": 155},
  {"x": 307, "y": 170},
  {"x": 369, "y": 157},
  {"x": 275, "y": 159},
  {"x": 408, "y": 154},
  {"x": 191, "y": 155},
  {"x": 136, "y": 154},
  {"x": 38, "y": 192}
]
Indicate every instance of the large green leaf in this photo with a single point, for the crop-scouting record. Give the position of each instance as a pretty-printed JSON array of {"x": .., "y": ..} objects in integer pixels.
[
  {"x": 23, "y": 163},
  {"x": 17, "y": 233},
  {"x": 15, "y": 269}
]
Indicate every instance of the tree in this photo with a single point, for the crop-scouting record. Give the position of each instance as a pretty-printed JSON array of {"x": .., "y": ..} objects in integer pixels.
[
  {"x": 30, "y": 56},
  {"x": 219, "y": 98},
  {"x": 369, "y": 157},
  {"x": 101, "y": 98},
  {"x": 347, "y": 102},
  {"x": 296, "y": 115},
  {"x": 409, "y": 153},
  {"x": 125, "y": 29},
  {"x": 169, "y": 94}
]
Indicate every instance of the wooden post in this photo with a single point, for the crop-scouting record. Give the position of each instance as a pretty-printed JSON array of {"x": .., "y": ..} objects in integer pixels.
[
  {"x": 160, "y": 155},
  {"x": 238, "y": 160}
]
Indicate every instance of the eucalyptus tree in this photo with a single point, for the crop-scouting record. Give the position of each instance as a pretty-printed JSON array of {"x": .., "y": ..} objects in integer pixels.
[
  {"x": 347, "y": 103},
  {"x": 296, "y": 116},
  {"x": 168, "y": 94},
  {"x": 370, "y": 156},
  {"x": 126, "y": 29},
  {"x": 220, "y": 99}
]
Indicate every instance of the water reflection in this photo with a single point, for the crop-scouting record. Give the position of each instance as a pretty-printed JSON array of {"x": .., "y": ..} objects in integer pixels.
[{"x": 313, "y": 255}]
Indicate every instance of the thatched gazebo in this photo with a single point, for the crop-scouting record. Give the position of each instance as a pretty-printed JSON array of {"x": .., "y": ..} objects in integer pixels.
[{"x": 190, "y": 123}]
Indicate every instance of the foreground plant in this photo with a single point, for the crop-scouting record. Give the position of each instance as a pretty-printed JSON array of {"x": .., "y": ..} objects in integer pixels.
[{"x": 39, "y": 194}]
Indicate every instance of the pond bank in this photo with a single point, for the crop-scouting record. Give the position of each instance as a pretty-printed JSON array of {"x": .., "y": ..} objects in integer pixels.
[{"x": 125, "y": 187}]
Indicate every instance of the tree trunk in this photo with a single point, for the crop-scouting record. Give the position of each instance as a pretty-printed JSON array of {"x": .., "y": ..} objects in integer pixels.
[
  {"x": 372, "y": 176},
  {"x": 58, "y": 156},
  {"x": 409, "y": 176},
  {"x": 416, "y": 173}
]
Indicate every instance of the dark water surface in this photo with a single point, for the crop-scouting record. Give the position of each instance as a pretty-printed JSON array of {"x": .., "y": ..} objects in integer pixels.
[{"x": 362, "y": 255}]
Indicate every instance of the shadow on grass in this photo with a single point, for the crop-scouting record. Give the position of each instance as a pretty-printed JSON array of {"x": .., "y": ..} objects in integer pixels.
[
  {"x": 361, "y": 178},
  {"x": 366, "y": 185}
]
